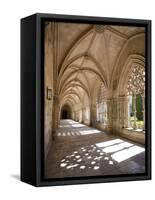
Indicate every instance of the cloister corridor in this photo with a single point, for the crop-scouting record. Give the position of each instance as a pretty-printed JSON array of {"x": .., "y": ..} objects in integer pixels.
[
  {"x": 94, "y": 99},
  {"x": 79, "y": 150}
]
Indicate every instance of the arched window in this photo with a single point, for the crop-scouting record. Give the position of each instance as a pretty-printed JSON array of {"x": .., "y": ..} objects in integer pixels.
[
  {"x": 101, "y": 105},
  {"x": 136, "y": 91}
]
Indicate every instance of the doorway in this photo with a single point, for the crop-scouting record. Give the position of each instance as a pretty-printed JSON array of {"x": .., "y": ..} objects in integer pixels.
[{"x": 65, "y": 112}]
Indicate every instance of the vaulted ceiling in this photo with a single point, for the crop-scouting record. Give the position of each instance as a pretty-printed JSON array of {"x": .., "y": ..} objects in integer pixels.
[{"x": 89, "y": 54}]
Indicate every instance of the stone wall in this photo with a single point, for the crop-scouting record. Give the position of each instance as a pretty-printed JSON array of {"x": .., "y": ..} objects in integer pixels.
[
  {"x": 48, "y": 83},
  {"x": 81, "y": 58}
]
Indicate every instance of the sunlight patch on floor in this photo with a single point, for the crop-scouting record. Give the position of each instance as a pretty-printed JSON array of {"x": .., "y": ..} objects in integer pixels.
[
  {"x": 78, "y": 125},
  {"x": 127, "y": 153},
  {"x": 106, "y": 154},
  {"x": 117, "y": 147},
  {"x": 109, "y": 143},
  {"x": 87, "y": 132}
]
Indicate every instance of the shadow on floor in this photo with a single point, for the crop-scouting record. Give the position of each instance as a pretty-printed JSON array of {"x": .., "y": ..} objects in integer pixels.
[
  {"x": 15, "y": 176},
  {"x": 92, "y": 152}
]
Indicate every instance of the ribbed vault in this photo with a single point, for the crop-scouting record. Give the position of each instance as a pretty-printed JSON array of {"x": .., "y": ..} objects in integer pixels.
[
  {"x": 88, "y": 68},
  {"x": 92, "y": 59}
]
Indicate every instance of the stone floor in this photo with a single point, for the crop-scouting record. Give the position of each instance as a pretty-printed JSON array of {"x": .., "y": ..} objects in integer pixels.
[{"x": 79, "y": 150}]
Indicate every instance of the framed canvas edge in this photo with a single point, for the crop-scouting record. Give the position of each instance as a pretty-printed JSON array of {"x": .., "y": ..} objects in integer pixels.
[{"x": 40, "y": 181}]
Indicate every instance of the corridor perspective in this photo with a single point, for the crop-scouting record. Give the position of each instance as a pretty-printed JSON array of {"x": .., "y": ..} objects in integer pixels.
[
  {"x": 94, "y": 99},
  {"x": 80, "y": 150}
]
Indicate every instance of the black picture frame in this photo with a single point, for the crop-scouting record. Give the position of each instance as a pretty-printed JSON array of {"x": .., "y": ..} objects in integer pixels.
[{"x": 32, "y": 99}]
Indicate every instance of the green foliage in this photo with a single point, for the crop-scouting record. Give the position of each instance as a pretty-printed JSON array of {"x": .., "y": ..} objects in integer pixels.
[
  {"x": 139, "y": 123},
  {"x": 139, "y": 113}
]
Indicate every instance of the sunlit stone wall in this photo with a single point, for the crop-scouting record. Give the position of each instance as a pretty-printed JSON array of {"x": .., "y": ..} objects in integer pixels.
[{"x": 48, "y": 72}]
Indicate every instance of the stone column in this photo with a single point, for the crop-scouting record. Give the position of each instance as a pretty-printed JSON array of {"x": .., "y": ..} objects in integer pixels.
[
  {"x": 91, "y": 115},
  {"x": 126, "y": 112},
  {"x": 55, "y": 118},
  {"x": 109, "y": 112},
  {"x": 128, "y": 123},
  {"x": 115, "y": 114},
  {"x": 97, "y": 112},
  {"x": 104, "y": 111},
  {"x": 82, "y": 115},
  {"x": 122, "y": 111},
  {"x": 134, "y": 109}
]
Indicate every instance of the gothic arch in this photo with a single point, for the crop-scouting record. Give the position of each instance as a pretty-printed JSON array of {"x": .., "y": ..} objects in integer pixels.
[
  {"x": 132, "y": 60},
  {"x": 73, "y": 47},
  {"x": 135, "y": 45}
]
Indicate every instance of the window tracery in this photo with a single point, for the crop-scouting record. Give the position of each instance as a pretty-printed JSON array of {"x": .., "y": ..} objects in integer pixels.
[
  {"x": 136, "y": 80},
  {"x": 135, "y": 90}
]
